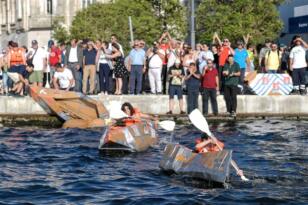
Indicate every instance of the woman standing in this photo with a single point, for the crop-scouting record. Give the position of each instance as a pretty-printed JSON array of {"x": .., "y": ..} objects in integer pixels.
[
  {"x": 103, "y": 68},
  {"x": 119, "y": 68}
]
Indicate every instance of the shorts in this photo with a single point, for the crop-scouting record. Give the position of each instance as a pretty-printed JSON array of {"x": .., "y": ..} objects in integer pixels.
[
  {"x": 36, "y": 76},
  {"x": 14, "y": 77},
  {"x": 175, "y": 90}
]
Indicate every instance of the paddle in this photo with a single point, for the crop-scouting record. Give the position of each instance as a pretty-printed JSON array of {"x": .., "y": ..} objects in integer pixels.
[
  {"x": 199, "y": 121},
  {"x": 167, "y": 125}
]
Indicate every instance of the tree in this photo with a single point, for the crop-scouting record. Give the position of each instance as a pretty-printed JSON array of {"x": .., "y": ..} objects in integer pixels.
[
  {"x": 60, "y": 32},
  {"x": 237, "y": 18},
  {"x": 99, "y": 21}
]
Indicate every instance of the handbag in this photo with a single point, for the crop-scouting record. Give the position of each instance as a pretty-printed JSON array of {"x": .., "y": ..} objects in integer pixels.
[{"x": 30, "y": 60}]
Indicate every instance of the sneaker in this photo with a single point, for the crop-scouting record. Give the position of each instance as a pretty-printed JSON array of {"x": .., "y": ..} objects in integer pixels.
[
  {"x": 216, "y": 113},
  {"x": 295, "y": 92},
  {"x": 182, "y": 112},
  {"x": 169, "y": 113},
  {"x": 233, "y": 114},
  {"x": 302, "y": 91}
]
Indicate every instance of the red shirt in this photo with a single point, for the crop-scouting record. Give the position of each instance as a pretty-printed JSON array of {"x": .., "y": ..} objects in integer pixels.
[
  {"x": 223, "y": 55},
  {"x": 209, "y": 79},
  {"x": 54, "y": 56},
  {"x": 165, "y": 47}
]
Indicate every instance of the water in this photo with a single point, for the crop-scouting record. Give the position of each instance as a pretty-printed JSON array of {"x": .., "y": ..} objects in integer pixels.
[{"x": 56, "y": 166}]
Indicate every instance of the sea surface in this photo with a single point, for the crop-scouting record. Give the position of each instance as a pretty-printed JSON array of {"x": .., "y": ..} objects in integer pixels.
[{"x": 58, "y": 166}]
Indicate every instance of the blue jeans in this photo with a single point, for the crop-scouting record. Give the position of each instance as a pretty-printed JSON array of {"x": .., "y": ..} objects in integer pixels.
[
  {"x": 5, "y": 78},
  {"x": 242, "y": 77},
  {"x": 104, "y": 71},
  {"x": 272, "y": 71},
  {"x": 192, "y": 100},
  {"x": 135, "y": 75},
  {"x": 77, "y": 76}
]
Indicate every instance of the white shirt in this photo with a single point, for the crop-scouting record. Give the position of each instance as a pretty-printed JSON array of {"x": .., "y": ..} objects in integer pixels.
[
  {"x": 102, "y": 58},
  {"x": 64, "y": 78},
  {"x": 171, "y": 59},
  {"x": 298, "y": 54},
  {"x": 73, "y": 55},
  {"x": 155, "y": 62},
  {"x": 38, "y": 59}
]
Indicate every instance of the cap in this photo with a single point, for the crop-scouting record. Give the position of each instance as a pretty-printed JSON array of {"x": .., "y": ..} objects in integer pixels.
[
  {"x": 34, "y": 42},
  {"x": 50, "y": 43}
]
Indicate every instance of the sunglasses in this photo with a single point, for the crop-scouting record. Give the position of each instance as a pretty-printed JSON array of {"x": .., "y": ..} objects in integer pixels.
[{"x": 226, "y": 41}]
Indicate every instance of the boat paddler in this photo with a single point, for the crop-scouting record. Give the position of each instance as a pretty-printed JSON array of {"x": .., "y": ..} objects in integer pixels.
[
  {"x": 134, "y": 114},
  {"x": 209, "y": 144}
]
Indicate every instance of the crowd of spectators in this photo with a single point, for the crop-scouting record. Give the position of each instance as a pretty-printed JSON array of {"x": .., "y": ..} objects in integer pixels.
[{"x": 167, "y": 66}]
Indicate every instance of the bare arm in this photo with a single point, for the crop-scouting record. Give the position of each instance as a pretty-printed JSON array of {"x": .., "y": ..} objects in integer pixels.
[{"x": 55, "y": 83}]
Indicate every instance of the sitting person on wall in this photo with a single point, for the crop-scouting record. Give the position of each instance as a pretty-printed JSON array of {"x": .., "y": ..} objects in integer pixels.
[
  {"x": 20, "y": 77},
  {"x": 63, "y": 78}
]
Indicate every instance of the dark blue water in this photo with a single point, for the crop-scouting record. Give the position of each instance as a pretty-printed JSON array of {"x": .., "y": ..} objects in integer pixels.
[{"x": 57, "y": 166}]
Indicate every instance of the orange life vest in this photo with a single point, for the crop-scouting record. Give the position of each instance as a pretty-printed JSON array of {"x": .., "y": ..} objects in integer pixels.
[
  {"x": 16, "y": 57},
  {"x": 135, "y": 118},
  {"x": 210, "y": 147}
]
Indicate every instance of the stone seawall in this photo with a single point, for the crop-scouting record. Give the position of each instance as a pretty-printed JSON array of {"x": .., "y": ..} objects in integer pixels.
[{"x": 158, "y": 104}]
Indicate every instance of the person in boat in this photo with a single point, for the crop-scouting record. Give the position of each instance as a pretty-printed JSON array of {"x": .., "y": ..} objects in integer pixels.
[
  {"x": 207, "y": 144},
  {"x": 134, "y": 114},
  {"x": 211, "y": 144}
]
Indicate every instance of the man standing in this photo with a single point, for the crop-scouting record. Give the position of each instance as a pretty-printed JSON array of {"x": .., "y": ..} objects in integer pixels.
[
  {"x": 232, "y": 73},
  {"x": 63, "y": 78},
  {"x": 272, "y": 59},
  {"x": 54, "y": 57},
  {"x": 298, "y": 65},
  {"x": 73, "y": 61},
  {"x": 241, "y": 57},
  {"x": 136, "y": 68},
  {"x": 39, "y": 60},
  {"x": 193, "y": 85},
  {"x": 89, "y": 68},
  {"x": 210, "y": 87},
  {"x": 263, "y": 51}
]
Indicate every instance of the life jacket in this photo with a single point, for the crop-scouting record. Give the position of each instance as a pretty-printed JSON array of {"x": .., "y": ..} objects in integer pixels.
[
  {"x": 136, "y": 118},
  {"x": 16, "y": 57},
  {"x": 209, "y": 147}
]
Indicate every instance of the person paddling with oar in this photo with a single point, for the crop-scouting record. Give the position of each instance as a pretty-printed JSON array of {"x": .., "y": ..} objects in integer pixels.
[{"x": 200, "y": 122}]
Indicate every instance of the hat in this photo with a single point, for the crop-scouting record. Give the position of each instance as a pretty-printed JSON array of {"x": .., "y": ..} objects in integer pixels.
[
  {"x": 50, "y": 43},
  {"x": 34, "y": 42}
]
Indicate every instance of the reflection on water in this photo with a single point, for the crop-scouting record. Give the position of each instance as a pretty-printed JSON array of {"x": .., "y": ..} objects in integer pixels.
[{"x": 56, "y": 166}]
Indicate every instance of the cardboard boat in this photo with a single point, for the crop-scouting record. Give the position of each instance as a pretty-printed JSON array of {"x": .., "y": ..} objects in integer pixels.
[
  {"x": 76, "y": 109},
  {"x": 210, "y": 166},
  {"x": 137, "y": 137}
]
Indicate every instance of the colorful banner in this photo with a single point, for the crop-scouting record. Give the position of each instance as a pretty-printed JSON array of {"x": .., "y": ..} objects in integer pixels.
[{"x": 271, "y": 84}]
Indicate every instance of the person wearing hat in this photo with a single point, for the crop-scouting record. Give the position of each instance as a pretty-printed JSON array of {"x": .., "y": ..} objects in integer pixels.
[
  {"x": 298, "y": 65},
  {"x": 176, "y": 76},
  {"x": 38, "y": 57}
]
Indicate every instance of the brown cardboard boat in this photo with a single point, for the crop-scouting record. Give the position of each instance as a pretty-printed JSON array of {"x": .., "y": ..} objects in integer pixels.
[
  {"x": 210, "y": 166},
  {"x": 76, "y": 109},
  {"x": 133, "y": 138}
]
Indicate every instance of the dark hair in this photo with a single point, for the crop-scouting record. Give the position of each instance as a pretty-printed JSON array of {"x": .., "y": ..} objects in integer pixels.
[
  {"x": 30, "y": 65},
  {"x": 114, "y": 35},
  {"x": 14, "y": 45},
  {"x": 230, "y": 56},
  {"x": 194, "y": 64},
  {"x": 11, "y": 43},
  {"x": 130, "y": 107},
  {"x": 204, "y": 136},
  {"x": 58, "y": 65},
  {"x": 116, "y": 46},
  {"x": 25, "y": 47}
]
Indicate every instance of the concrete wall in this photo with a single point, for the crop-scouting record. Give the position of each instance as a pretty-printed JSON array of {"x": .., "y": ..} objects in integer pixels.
[{"x": 247, "y": 104}]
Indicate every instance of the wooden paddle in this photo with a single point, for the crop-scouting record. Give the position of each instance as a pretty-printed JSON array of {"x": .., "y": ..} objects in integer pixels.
[{"x": 199, "y": 121}]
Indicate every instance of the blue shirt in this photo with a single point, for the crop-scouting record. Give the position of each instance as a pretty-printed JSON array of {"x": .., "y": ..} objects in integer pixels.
[
  {"x": 90, "y": 56},
  {"x": 193, "y": 83},
  {"x": 240, "y": 57},
  {"x": 20, "y": 70},
  {"x": 137, "y": 57}
]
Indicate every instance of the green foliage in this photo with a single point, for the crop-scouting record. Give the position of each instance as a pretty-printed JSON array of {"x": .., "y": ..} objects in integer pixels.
[
  {"x": 99, "y": 21},
  {"x": 238, "y": 18},
  {"x": 60, "y": 33}
]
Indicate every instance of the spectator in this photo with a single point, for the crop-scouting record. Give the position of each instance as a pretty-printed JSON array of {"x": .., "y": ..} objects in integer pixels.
[
  {"x": 63, "y": 78},
  {"x": 63, "y": 50},
  {"x": 104, "y": 67},
  {"x": 192, "y": 79},
  {"x": 216, "y": 57},
  {"x": 136, "y": 67},
  {"x": 232, "y": 72},
  {"x": 89, "y": 68},
  {"x": 20, "y": 76},
  {"x": 284, "y": 63},
  {"x": 164, "y": 45},
  {"x": 189, "y": 58},
  {"x": 223, "y": 53},
  {"x": 155, "y": 60},
  {"x": 298, "y": 64},
  {"x": 176, "y": 76},
  {"x": 204, "y": 56},
  {"x": 251, "y": 54},
  {"x": 16, "y": 57},
  {"x": 119, "y": 68},
  {"x": 74, "y": 61},
  {"x": 4, "y": 69},
  {"x": 210, "y": 87},
  {"x": 114, "y": 39},
  {"x": 263, "y": 51},
  {"x": 272, "y": 59},
  {"x": 39, "y": 60},
  {"x": 241, "y": 57},
  {"x": 54, "y": 57}
]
